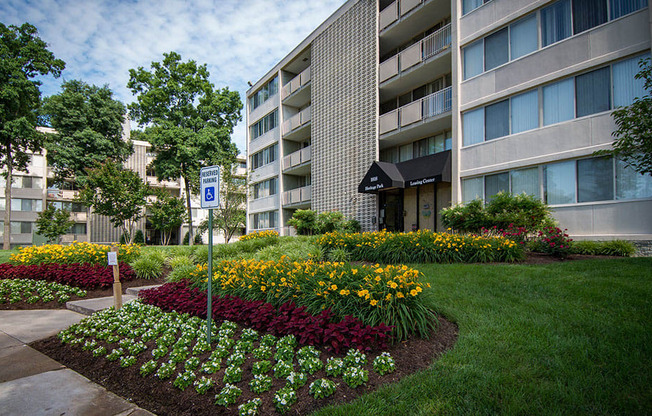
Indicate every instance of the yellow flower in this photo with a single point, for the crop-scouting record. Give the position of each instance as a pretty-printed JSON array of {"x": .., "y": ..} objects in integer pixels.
[
  {"x": 388, "y": 297},
  {"x": 377, "y": 278},
  {"x": 413, "y": 292},
  {"x": 373, "y": 302},
  {"x": 354, "y": 271},
  {"x": 393, "y": 285},
  {"x": 344, "y": 292},
  {"x": 399, "y": 295},
  {"x": 363, "y": 293},
  {"x": 263, "y": 288},
  {"x": 333, "y": 287}
]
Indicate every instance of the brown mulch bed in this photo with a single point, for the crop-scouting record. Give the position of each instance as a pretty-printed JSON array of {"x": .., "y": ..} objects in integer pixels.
[
  {"x": 90, "y": 294},
  {"x": 162, "y": 398}
]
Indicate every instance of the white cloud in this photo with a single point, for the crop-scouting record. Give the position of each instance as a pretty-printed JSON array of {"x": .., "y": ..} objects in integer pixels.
[{"x": 100, "y": 40}]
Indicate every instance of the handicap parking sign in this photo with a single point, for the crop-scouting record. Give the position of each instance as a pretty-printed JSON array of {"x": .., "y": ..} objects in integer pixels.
[
  {"x": 209, "y": 178},
  {"x": 209, "y": 193}
]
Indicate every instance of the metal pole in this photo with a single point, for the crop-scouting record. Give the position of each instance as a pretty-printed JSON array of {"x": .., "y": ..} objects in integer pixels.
[{"x": 209, "y": 309}]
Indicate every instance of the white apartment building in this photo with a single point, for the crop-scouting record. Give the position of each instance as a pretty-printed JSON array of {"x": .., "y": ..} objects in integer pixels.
[{"x": 391, "y": 110}]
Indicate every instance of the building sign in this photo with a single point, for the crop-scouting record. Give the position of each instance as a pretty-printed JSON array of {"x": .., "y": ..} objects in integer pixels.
[
  {"x": 209, "y": 178},
  {"x": 419, "y": 182}
]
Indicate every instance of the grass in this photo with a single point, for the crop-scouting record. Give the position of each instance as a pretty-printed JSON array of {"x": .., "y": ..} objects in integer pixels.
[
  {"x": 5, "y": 254},
  {"x": 563, "y": 338}
]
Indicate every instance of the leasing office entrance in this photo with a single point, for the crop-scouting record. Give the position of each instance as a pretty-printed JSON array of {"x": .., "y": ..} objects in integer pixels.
[{"x": 410, "y": 193}]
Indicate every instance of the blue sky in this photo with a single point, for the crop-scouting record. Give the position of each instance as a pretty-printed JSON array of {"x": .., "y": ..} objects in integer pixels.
[{"x": 100, "y": 40}]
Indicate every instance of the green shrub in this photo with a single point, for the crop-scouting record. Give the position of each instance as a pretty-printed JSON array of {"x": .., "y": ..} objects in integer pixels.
[
  {"x": 554, "y": 241},
  {"x": 139, "y": 238},
  {"x": 604, "y": 248},
  {"x": 586, "y": 247},
  {"x": 329, "y": 221},
  {"x": 180, "y": 273},
  {"x": 304, "y": 221},
  {"x": 197, "y": 239},
  {"x": 178, "y": 261},
  {"x": 308, "y": 222},
  {"x": 339, "y": 255},
  {"x": 148, "y": 267}
]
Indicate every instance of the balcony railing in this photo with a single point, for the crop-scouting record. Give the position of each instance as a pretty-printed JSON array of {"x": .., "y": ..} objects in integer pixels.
[
  {"x": 430, "y": 46},
  {"x": 297, "y": 196},
  {"x": 390, "y": 14},
  {"x": 429, "y": 106},
  {"x": 296, "y": 121},
  {"x": 295, "y": 83},
  {"x": 297, "y": 158}
]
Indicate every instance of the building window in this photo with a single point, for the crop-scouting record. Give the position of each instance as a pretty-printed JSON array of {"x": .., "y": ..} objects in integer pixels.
[
  {"x": 523, "y": 37},
  {"x": 265, "y": 220},
  {"x": 405, "y": 152},
  {"x": 473, "y": 127},
  {"x": 558, "y": 102},
  {"x": 494, "y": 184},
  {"x": 496, "y": 120},
  {"x": 21, "y": 227},
  {"x": 555, "y": 22},
  {"x": 265, "y": 124},
  {"x": 472, "y": 189},
  {"x": 525, "y": 111},
  {"x": 496, "y": 49},
  {"x": 626, "y": 87},
  {"x": 620, "y": 8},
  {"x": 588, "y": 14},
  {"x": 595, "y": 179},
  {"x": 631, "y": 184},
  {"x": 469, "y": 5},
  {"x": 265, "y": 188},
  {"x": 473, "y": 64},
  {"x": 525, "y": 181},
  {"x": 79, "y": 228},
  {"x": 592, "y": 91},
  {"x": 559, "y": 183},
  {"x": 264, "y": 157},
  {"x": 263, "y": 94},
  {"x": 27, "y": 205}
]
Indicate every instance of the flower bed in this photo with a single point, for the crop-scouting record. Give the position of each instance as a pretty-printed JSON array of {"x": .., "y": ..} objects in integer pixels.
[
  {"x": 32, "y": 291},
  {"x": 84, "y": 276},
  {"x": 170, "y": 349},
  {"x": 288, "y": 319},
  {"x": 390, "y": 295},
  {"x": 423, "y": 246},
  {"x": 259, "y": 234},
  {"x": 71, "y": 254}
]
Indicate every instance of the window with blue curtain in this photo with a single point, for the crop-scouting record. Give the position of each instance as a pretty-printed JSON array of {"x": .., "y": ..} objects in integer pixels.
[
  {"x": 593, "y": 92},
  {"x": 588, "y": 14},
  {"x": 473, "y": 126},
  {"x": 620, "y": 8},
  {"x": 525, "y": 181},
  {"x": 559, "y": 183},
  {"x": 496, "y": 49},
  {"x": 496, "y": 120},
  {"x": 472, "y": 189},
  {"x": 631, "y": 184},
  {"x": 494, "y": 184},
  {"x": 523, "y": 36},
  {"x": 473, "y": 60},
  {"x": 525, "y": 111},
  {"x": 595, "y": 179},
  {"x": 556, "y": 22},
  {"x": 558, "y": 102},
  {"x": 625, "y": 87},
  {"x": 468, "y": 5}
]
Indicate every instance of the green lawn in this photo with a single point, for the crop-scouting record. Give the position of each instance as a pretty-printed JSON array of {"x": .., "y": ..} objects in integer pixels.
[
  {"x": 5, "y": 254},
  {"x": 566, "y": 338}
]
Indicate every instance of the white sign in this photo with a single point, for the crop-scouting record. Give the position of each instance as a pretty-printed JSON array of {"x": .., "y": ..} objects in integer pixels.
[
  {"x": 113, "y": 258},
  {"x": 209, "y": 179}
]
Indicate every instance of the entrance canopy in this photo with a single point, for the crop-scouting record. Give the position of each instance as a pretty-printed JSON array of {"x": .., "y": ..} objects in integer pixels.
[{"x": 383, "y": 176}]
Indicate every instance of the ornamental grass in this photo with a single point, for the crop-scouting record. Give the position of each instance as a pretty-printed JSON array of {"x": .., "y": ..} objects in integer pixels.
[
  {"x": 423, "y": 246},
  {"x": 391, "y": 295},
  {"x": 76, "y": 252}
]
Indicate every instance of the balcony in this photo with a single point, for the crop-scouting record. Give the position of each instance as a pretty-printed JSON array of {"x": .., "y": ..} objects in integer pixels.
[
  {"x": 294, "y": 128},
  {"x": 297, "y": 92},
  {"x": 297, "y": 198},
  {"x": 417, "y": 111},
  {"x": 297, "y": 163},
  {"x": 391, "y": 13},
  {"x": 422, "y": 51},
  {"x": 62, "y": 193},
  {"x": 79, "y": 216}
]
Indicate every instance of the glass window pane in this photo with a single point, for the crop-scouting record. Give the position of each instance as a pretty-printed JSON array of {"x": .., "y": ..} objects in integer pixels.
[
  {"x": 555, "y": 22},
  {"x": 16, "y": 204},
  {"x": 25, "y": 227},
  {"x": 15, "y": 227},
  {"x": 473, "y": 126},
  {"x": 26, "y": 205},
  {"x": 496, "y": 120},
  {"x": 468, "y": 5},
  {"x": 494, "y": 184},
  {"x": 525, "y": 181},
  {"x": 559, "y": 183},
  {"x": 525, "y": 111},
  {"x": 588, "y": 14},
  {"x": 623, "y": 7},
  {"x": 496, "y": 49},
  {"x": 439, "y": 143},
  {"x": 631, "y": 184},
  {"x": 405, "y": 152},
  {"x": 448, "y": 142},
  {"x": 2, "y": 204},
  {"x": 472, "y": 189},
  {"x": 626, "y": 87},
  {"x": 473, "y": 59},
  {"x": 558, "y": 102},
  {"x": 523, "y": 36},
  {"x": 593, "y": 92},
  {"x": 595, "y": 179}
]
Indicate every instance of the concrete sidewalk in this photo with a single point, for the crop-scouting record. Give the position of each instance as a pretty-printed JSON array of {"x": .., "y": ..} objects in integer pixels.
[{"x": 34, "y": 384}]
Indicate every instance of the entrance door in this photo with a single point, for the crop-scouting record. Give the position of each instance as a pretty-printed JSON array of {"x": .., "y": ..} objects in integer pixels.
[{"x": 391, "y": 210}]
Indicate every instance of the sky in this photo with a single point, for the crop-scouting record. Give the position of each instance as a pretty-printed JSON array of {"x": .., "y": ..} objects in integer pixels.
[{"x": 100, "y": 40}]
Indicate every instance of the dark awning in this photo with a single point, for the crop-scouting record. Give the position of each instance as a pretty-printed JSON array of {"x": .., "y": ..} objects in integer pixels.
[{"x": 420, "y": 171}]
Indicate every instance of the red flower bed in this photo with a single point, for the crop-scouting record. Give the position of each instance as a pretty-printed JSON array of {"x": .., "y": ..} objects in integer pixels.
[
  {"x": 85, "y": 276},
  {"x": 288, "y": 319}
]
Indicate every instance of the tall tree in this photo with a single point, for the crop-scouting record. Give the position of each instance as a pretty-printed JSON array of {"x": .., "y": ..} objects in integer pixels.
[
  {"x": 53, "y": 222},
  {"x": 117, "y": 193},
  {"x": 189, "y": 122},
  {"x": 167, "y": 213},
  {"x": 23, "y": 56},
  {"x": 88, "y": 123},
  {"x": 633, "y": 136}
]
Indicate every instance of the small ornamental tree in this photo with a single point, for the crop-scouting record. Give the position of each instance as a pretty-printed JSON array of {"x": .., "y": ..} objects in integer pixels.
[
  {"x": 117, "y": 193},
  {"x": 167, "y": 213},
  {"x": 53, "y": 222}
]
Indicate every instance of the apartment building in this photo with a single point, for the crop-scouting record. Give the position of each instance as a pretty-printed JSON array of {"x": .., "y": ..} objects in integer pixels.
[{"x": 392, "y": 110}]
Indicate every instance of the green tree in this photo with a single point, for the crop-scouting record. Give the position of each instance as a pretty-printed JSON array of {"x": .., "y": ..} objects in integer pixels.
[
  {"x": 117, "y": 193},
  {"x": 23, "y": 56},
  {"x": 167, "y": 213},
  {"x": 53, "y": 222},
  {"x": 231, "y": 215},
  {"x": 88, "y": 123},
  {"x": 189, "y": 122},
  {"x": 633, "y": 135}
]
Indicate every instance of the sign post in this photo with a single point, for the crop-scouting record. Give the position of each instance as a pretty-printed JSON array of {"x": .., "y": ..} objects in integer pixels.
[
  {"x": 117, "y": 286},
  {"x": 209, "y": 178}
]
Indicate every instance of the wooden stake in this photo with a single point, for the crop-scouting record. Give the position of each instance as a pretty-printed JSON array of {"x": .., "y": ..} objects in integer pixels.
[{"x": 117, "y": 286}]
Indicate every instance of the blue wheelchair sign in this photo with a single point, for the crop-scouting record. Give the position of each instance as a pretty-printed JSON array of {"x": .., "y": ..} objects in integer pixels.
[{"x": 209, "y": 193}]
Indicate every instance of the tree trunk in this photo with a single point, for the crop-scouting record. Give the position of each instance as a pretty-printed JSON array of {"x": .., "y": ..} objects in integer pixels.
[
  {"x": 6, "y": 244},
  {"x": 190, "y": 234}
]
